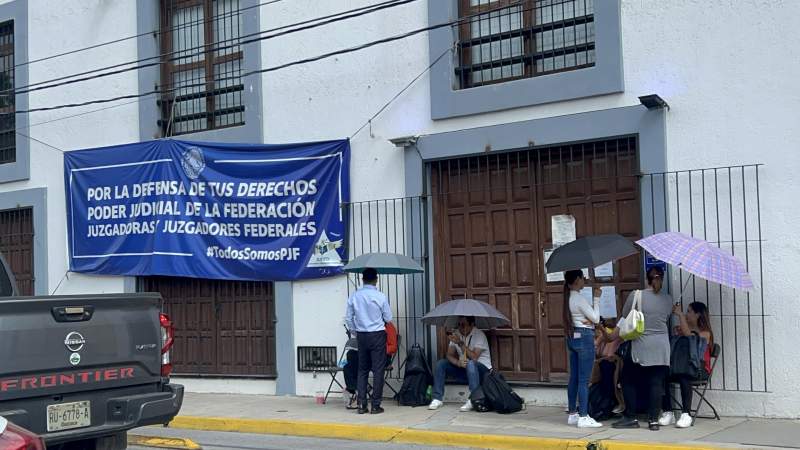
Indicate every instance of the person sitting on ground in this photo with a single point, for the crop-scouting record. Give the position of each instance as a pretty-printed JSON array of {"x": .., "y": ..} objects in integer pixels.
[
  {"x": 694, "y": 322},
  {"x": 467, "y": 361},
  {"x": 606, "y": 350}
]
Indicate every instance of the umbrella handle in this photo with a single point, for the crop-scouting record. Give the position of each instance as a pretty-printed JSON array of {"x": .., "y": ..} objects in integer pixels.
[{"x": 683, "y": 289}]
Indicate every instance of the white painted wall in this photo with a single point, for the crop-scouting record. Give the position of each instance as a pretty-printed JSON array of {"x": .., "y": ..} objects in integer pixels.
[
  {"x": 726, "y": 67},
  {"x": 55, "y": 27}
]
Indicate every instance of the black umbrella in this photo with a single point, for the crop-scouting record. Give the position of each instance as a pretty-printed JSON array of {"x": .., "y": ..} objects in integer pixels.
[{"x": 590, "y": 251}]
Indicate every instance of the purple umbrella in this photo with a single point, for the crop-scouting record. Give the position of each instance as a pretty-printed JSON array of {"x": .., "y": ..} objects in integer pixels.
[{"x": 699, "y": 258}]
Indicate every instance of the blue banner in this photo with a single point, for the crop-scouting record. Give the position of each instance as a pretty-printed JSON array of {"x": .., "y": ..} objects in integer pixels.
[{"x": 208, "y": 210}]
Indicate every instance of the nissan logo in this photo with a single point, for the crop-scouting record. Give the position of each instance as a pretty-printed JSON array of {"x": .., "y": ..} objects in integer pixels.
[{"x": 74, "y": 341}]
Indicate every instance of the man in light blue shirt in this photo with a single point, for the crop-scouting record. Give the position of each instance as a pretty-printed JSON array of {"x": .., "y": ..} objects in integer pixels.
[{"x": 367, "y": 314}]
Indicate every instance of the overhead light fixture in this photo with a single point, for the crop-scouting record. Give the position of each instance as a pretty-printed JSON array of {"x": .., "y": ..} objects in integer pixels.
[{"x": 653, "y": 101}]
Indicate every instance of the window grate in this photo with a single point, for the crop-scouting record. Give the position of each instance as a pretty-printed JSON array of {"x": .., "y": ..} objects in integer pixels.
[
  {"x": 8, "y": 123},
  {"x": 203, "y": 66},
  {"x": 316, "y": 359},
  {"x": 16, "y": 245},
  {"x": 524, "y": 39}
]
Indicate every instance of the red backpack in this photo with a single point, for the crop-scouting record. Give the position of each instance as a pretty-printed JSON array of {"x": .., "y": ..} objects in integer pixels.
[{"x": 391, "y": 339}]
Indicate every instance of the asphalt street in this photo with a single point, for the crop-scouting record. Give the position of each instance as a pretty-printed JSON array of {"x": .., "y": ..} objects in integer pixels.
[{"x": 214, "y": 440}]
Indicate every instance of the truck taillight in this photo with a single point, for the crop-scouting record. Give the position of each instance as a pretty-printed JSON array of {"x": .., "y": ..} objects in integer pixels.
[
  {"x": 15, "y": 438},
  {"x": 167, "y": 339}
]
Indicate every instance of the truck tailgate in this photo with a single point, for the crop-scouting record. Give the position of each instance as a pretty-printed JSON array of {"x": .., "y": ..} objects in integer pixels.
[{"x": 58, "y": 345}]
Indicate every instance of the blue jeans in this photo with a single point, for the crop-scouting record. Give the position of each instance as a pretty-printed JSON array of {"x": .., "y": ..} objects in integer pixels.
[
  {"x": 581, "y": 360},
  {"x": 472, "y": 375}
]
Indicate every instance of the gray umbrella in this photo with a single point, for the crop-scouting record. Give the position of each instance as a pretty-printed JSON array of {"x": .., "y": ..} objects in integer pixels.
[
  {"x": 590, "y": 251},
  {"x": 446, "y": 314},
  {"x": 384, "y": 263}
]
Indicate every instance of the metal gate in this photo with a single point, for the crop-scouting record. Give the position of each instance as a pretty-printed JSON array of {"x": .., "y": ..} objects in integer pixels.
[
  {"x": 16, "y": 245},
  {"x": 491, "y": 224},
  {"x": 224, "y": 328}
]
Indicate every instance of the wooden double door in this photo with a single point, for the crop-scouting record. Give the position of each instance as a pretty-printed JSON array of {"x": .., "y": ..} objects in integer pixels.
[
  {"x": 492, "y": 223},
  {"x": 224, "y": 328}
]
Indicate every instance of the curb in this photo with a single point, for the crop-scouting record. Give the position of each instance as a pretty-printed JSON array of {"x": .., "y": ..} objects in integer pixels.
[
  {"x": 379, "y": 433},
  {"x": 625, "y": 445},
  {"x": 374, "y": 433},
  {"x": 163, "y": 442}
]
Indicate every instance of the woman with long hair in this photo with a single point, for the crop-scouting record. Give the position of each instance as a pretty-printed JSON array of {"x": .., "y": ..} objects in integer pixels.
[
  {"x": 579, "y": 314},
  {"x": 695, "y": 322}
]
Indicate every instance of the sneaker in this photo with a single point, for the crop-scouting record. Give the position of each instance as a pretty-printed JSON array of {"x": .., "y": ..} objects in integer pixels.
[
  {"x": 435, "y": 404},
  {"x": 573, "y": 419},
  {"x": 667, "y": 418},
  {"x": 588, "y": 422},
  {"x": 685, "y": 421},
  {"x": 376, "y": 410},
  {"x": 467, "y": 406},
  {"x": 654, "y": 426},
  {"x": 626, "y": 422},
  {"x": 353, "y": 404}
]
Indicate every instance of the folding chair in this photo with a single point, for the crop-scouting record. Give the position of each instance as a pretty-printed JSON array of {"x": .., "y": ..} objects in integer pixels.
[
  {"x": 334, "y": 371},
  {"x": 701, "y": 386}
]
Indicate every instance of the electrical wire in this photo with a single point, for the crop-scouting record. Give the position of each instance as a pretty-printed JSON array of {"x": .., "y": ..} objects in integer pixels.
[
  {"x": 147, "y": 33},
  {"x": 270, "y": 69},
  {"x": 202, "y": 49}
]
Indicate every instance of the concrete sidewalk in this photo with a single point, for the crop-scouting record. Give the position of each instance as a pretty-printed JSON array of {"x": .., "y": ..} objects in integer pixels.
[{"x": 536, "y": 427}]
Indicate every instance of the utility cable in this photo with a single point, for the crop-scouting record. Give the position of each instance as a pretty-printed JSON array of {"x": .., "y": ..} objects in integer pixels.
[
  {"x": 147, "y": 33},
  {"x": 202, "y": 49},
  {"x": 269, "y": 69}
]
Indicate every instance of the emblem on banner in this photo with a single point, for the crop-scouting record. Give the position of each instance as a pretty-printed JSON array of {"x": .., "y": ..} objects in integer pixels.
[
  {"x": 325, "y": 254},
  {"x": 193, "y": 162}
]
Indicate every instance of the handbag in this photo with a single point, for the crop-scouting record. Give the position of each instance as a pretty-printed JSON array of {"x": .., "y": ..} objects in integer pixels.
[{"x": 632, "y": 326}]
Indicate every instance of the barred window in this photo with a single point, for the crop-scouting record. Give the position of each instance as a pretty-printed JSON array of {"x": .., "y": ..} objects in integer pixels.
[
  {"x": 202, "y": 66},
  {"x": 8, "y": 122},
  {"x": 524, "y": 39}
]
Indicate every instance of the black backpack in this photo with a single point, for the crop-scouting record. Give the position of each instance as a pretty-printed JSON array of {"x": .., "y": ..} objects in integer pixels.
[
  {"x": 417, "y": 378},
  {"x": 499, "y": 395},
  {"x": 602, "y": 398},
  {"x": 686, "y": 356},
  {"x": 478, "y": 399}
]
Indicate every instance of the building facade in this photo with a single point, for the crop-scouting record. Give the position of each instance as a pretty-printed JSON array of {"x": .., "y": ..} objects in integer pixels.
[{"x": 466, "y": 140}]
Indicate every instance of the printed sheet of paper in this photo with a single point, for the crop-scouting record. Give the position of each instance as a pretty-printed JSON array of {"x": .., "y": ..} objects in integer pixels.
[
  {"x": 555, "y": 276},
  {"x": 604, "y": 271},
  {"x": 608, "y": 302},
  {"x": 563, "y": 227}
]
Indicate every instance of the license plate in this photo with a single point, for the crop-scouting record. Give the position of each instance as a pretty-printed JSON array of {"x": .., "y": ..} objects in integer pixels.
[{"x": 66, "y": 416}]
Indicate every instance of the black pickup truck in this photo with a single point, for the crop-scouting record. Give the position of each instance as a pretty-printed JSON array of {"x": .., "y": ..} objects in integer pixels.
[{"x": 82, "y": 370}]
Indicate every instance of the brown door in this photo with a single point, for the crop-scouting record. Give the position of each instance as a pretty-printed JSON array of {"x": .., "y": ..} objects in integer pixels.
[
  {"x": 486, "y": 248},
  {"x": 596, "y": 183},
  {"x": 221, "y": 327},
  {"x": 16, "y": 245},
  {"x": 492, "y": 217}
]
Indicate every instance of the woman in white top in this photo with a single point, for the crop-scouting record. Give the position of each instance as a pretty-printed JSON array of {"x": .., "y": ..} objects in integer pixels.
[{"x": 579, "y": 314}]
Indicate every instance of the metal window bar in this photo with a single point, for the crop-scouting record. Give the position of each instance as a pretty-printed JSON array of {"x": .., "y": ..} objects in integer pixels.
[
  {"x": 529, "y": 38},
  {"x": 397, "y": 225},
  {"x": 16, "y": 245},
  {"x": 187, "y": 25},
  {"x": 689, "y": 201},
  {"x": 8, "y": 123},
  {"x": 316, "y": 359}
]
